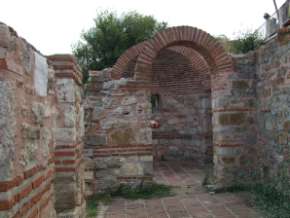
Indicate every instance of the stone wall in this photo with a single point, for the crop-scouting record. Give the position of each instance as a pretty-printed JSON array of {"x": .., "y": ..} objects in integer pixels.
[
  {"x": 273, "y": 104},
  {"x": 28, "y": 114},
  {"x": 184, "y": 107},
  {"x": 254, "y": 119},
  {"x": 31, "y": 112},
  {"x": 118, "y": 142},
  {"x": 69, "y": 130},
  {"x": 234, "y": 110},
  {"x": 234, "y": 121}
]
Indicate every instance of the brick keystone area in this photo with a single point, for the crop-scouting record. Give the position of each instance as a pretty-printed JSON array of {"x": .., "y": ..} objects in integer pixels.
[{"x": 190, "y": 201}]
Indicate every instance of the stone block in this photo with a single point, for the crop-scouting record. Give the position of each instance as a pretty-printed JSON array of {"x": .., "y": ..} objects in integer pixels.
[
  {"x": 146, "y": 158},
  {"x": 96, "y": 140},
  {"x": 30, "y": 132},
  {"x": 70, "y": 116},
  {"x": 129, "y": 100},
  {"x": 122, "y": 136},
  {"x": 132, "y": 169},
  {"x": 65, "y": 135},
  {"x": 229, "y": 160},
  {"x": 89, "y": 175},
  {"x": 3, "y": 53},
  {"x": 38, "y": 110},
  {"x": 147, "y": 168},
  {"x": 65, "y": 197},
  {"x": 40, "y": 75},
  {"x": 286, "y": 126},
  {"x": 65, "y": 90},
  {"x": 4, "y": 35},
  {"x": 113, "y": 162},
  {"x": 8, "y": 129},
  {"x": 232, "y": 118},
  {"x": 240, "y": 84},
  {"x": 227, "y": 151}
]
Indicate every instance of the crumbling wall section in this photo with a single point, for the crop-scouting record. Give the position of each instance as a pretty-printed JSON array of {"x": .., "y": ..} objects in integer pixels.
[
  {"x": 251, "y": 120},
  {"x": 273, "y": 104},
  {"x": 41, "y": 128},
  {"x": 28, "y": 111},
  {"x": 118, "y": 142},
  {"x": 234, "y": 121}
]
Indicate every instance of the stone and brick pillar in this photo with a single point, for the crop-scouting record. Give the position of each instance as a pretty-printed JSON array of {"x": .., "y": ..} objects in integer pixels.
[
  {"x": 234, "y": 114},
  {"x": 69, "y": 178}
]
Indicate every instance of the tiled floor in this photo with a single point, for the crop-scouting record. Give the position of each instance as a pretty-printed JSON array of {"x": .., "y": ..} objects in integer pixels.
[{"x": 191, "y": 201}]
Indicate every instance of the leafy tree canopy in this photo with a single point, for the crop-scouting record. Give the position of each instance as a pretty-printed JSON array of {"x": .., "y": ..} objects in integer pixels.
[
  {"x": 246, "y": 42},
  {"x": 111, "y": 35}
]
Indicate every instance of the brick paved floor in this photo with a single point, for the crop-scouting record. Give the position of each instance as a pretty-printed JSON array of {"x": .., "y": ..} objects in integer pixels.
[{"x": 190, "y": 201}]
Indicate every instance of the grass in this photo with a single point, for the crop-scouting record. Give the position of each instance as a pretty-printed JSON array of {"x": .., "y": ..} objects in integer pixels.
[
  {"x": 272, "y": 202},
  {"x": 94, "y": 201},
  {"x": 146, "y": 191}
]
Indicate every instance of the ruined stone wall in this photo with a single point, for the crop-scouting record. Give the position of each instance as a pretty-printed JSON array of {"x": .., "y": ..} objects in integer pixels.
[
  {"x": 28, "y": 114},
  {"x": 31, "y": 110},
  {"x": 273, "y": 104},
  {"x": 184, "y": 108},
  {"x": 234, "y": 121},
  {"x": 259, "y": 121},
  {"x": 248, "y": 95},
  {"x": 118, "y": 142}
]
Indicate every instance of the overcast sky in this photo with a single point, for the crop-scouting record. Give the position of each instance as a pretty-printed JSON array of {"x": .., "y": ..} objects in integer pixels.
[{"x": 53, "y": 26}]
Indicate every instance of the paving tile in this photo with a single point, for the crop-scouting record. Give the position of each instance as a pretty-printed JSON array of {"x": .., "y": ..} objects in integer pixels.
[
  {"x": 191, "y": 201},
  {"x": 110, "y": 215},
  {"x": 178, "y": 214},
  {"x": 221, "y": 211},
  {"x": 198, "y": 211}
]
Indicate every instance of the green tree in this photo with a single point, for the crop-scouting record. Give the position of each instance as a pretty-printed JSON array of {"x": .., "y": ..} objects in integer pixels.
[{"x": 110, "y": 36}]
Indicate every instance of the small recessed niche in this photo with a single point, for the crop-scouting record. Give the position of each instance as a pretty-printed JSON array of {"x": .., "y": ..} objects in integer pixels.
[{"x": 155, "y": 103}]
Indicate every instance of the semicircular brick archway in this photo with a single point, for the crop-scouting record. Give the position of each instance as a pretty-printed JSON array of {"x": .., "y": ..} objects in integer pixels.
[
  {"x": 197, "y": 61},
  {"x": 211, "y": 50}
]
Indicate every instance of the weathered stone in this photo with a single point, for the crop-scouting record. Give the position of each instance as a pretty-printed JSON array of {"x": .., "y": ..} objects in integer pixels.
[
  {"x": 29, "y": 109},
  {"x": 65, "y": 135},
  {"x": 4, "y": 35},
  {"x": 69, "y": 112},
  {"x": 39, "y": 112},
  {"x": 40, "y": 75},
  {"x": 65, "y": 90},
  {"x": 132, "y": 169},
  {"x": 96, "y": 140},
  {"x": 30, "y": 132},
  {"x": 129, "y": 100},
  {"x": 242, "y": 84},
  {"x": 231, "y": 118},
  {"x": 122, "y": 136},
  {"x": 7, "y": 131}
]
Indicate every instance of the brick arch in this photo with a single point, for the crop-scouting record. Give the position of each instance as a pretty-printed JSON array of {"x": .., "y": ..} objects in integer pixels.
[
  {"x": 123, "y": 61},
  {"x": 199, "y": 64},
  {"x": 180, "y": 70},
  {"x": 211, "y": 50}
]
